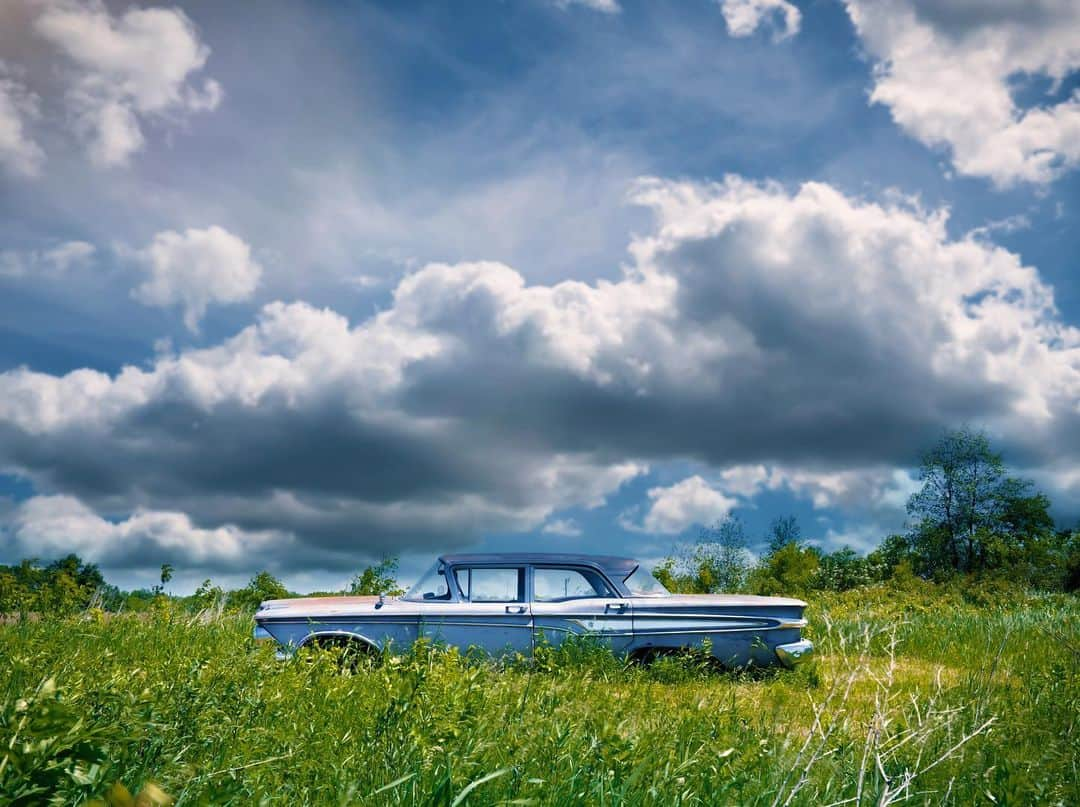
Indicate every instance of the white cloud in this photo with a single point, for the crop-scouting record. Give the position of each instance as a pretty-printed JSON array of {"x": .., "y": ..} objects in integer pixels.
[
  {"x": 878, "y": 491},
  {"x": 947, "y": 70},
  {"x": 862, "y": 538},
  {"x": 53, "y": 261},
  {"x": 756, "y": 326},
  {"x": 675, "y": 508},
  {"x": 69, "y": 254},
  {"x": 562, "y": 526},
  {"x": 606, "y": 6},
  {"x": 743, "y": 17},
  {"x": 746, "y": 480},
  {"x": 195, "y": 268},
  {"x": 51, "y": 526},
  {"x": 19, "y": 154},
  {"x": 128, "y": 68}
]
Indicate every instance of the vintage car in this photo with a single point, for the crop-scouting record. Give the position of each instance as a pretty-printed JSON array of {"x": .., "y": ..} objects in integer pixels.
[{"x": 511, "y": 602}]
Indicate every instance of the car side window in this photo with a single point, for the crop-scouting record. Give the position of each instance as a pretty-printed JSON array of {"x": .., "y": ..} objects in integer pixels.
[
  {"x": 552, "y": 584},
  {"x": 480, "y": 584}
]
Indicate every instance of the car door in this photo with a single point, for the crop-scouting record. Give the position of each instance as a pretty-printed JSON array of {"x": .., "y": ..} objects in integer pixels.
[
  {"x": 491, "y": 614},
  {"x": 578, "y": 600}
]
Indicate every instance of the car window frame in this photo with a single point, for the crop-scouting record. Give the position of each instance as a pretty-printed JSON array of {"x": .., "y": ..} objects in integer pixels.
[
  {"x": 523, "y": 582},
  {"x": 612, "y": 590},
  {"x": 451, "y": 586}
]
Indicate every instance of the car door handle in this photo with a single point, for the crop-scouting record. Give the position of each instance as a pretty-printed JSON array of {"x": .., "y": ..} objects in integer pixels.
[
  {"x": 617, "y": 607},
  {"x": 515, "y": 609}
]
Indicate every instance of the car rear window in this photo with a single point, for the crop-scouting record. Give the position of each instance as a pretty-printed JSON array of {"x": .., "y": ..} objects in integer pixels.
[{"x": 488, "y": 584}]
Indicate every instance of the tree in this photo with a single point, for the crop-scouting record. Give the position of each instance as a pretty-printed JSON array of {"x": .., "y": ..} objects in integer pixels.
[
  {"x": 207, "y": 596},
  {"x": 378, "y": 579},
  {"x": 60, "y": 587},
  {"x": 85, "y": 575},
  {"x": 166, "y": 576},
  {"x": 717, "y": 562},
  {"x": 969, "y": 514},
  {"x": 893, "y": 551},
  {"x": 263, "y": 586},
  {"x": 783, "y": 530},
  {"x": 721, "y": 558},
  {"x": 789, "y": 570},
  {"x": 844, "y": 569}
]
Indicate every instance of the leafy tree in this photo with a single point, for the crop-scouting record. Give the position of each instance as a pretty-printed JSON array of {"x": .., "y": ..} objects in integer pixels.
[
  {"x": 263, "y": 586},
  {"x": 62, "y": 595},
  {"x": 893, "y": 551},
  {"x": 970, "y": 515},
  {"x": 378, "y": 579},
  {"x": 721, "y": 558},
  {"x": 62, "y": 586},
  {"x": 717, "y": 562},
  {"x": 783, "y": 530},
  {"x": 1070, "y": 544},
  {"x": 85, "y": 575},
  {"x": 166, "y": 576},
  {"x": 789, "y": 570},
  {"x": 844, "y": 569},
  {"x": 206, "y": 596}
]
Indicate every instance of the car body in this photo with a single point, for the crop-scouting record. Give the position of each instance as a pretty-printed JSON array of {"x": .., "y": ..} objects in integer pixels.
[{"x": 511, "y": 602}]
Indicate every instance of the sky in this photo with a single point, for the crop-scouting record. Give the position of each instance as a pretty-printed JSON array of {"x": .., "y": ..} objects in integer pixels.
[{"x": 298, "y": 286}]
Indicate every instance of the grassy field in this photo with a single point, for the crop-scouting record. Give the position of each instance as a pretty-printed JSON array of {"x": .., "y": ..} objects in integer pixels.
[{"x": 916, "y": 698}]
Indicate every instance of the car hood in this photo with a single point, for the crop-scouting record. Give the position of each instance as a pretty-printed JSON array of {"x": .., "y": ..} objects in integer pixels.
[{"x": 322, "y": 606}]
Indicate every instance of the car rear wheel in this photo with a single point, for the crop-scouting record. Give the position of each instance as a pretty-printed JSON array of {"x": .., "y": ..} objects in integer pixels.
[{"x": 346, "y": 653}]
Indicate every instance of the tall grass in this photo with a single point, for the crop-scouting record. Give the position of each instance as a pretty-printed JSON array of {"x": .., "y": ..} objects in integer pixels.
[{"x": 910, "y": 701}]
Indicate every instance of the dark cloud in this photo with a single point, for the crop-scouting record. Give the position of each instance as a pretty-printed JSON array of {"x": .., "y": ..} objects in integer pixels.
[{"x": 758, "y": 325}]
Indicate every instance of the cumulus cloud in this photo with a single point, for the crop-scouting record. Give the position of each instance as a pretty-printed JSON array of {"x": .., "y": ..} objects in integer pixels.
[
  {"x": 19, "y": 154},
  {"x": 56, "y": 525},
  {"x": 127, "y": 68},
  {"x": 196, "y": 268},
  {"x": 872, "y": 492},
  {"x": 948, "y": 71},
  {"x": 675, "y": 508},
  {"x": 796, "y": 329},
  {"x": 743, "y": 17},
  {"x": 873, "y": 488}
]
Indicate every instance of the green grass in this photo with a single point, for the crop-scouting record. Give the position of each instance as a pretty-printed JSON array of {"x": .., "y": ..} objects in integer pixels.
[{"x": 914, "y": 699}]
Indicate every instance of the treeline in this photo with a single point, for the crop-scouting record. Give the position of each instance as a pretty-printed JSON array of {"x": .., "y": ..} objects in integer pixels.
[
  {"x": 70, "y": 585},
  {"x": 971, "y": 522}
]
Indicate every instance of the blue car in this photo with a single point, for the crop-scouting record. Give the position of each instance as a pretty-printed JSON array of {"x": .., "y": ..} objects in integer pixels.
[{"x": 512, "y": 602}]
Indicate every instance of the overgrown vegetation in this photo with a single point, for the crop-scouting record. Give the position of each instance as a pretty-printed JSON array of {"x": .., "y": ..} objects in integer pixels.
[
  {"x": 947, "y": 673},
  {"x": 919, "y": 695},
  {"x": 970, "y": 520}
]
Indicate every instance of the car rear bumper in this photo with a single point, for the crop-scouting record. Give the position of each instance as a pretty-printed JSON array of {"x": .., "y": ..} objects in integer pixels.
[{"x": 795, "y": 653}]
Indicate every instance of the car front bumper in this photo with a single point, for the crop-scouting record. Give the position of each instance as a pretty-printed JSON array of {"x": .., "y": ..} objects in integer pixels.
[{"x": 795, "y": 653}]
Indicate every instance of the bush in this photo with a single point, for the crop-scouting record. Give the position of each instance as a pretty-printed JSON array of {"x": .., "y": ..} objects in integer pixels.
[
  {"x": 263, "y": 586},
  {"x": 789, "y": 570}
]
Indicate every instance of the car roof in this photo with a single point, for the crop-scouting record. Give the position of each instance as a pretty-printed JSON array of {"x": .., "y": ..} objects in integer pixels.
[{"x": 610, "y": 564}]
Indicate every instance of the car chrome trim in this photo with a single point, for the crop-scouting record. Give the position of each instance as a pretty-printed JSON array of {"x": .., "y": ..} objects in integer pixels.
[
  {"x": 338, "y": 634},
  {"x": 793, "y": 624},
  {"x": 795, "y": 653},
  {"x": 433, "y": 624}
]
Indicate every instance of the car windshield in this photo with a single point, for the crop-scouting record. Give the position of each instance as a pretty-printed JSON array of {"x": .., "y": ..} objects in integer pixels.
[
  {"x": 433, "y": 585},
  {"x": 643, "y": 584}
]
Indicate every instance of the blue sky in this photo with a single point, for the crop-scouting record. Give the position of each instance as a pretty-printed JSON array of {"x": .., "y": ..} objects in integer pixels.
[{"x": 300, "y": 287}]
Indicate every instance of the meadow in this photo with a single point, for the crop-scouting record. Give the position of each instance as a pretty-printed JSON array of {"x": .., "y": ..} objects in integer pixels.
[{"x": 918, "y": 696}]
